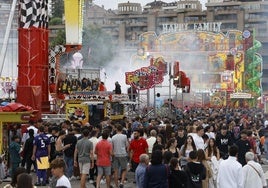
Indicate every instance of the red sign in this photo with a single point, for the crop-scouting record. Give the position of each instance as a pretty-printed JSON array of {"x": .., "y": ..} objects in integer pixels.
[{"x": 145, "y": 77}]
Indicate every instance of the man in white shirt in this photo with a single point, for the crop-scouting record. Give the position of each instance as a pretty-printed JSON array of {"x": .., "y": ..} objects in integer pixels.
[
  {"x": 25, "y": 136},
  {"x": 230, "y": 173},
  {"x": 198, "y": 139},
  {"x": 151, "y": 140},
  {"x": 94, "y": 141},
  {"x": 253, "y": 173}
]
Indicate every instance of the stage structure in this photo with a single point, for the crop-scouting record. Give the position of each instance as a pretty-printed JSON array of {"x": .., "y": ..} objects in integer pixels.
[{"x": 224, "y": 66}]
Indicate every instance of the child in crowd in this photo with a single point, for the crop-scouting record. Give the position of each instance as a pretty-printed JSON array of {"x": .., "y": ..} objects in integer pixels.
[{"x": 57, "y": 169}]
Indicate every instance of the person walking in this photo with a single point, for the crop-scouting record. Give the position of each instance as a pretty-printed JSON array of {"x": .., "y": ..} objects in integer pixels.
[
  {"x": 212, "y": 150},
  {"x": 196, "y": 171},
  {"x": 93, "y": 171},
  {"x": 181, "y": 137},
  {"x": 151, "y": 140},
  {"x": 41, "y": 154},
  {"x": 201, "y": 157},
  {"x": 230, "y": 171},
  {"x": 28, "y": 151},
  {"x": 58, "y": 168},
  {"x": 14, "y": 151},
  {"x": 243, "y": 146},
  {"x": 156, "y": 174},
  {"x": 223, "y": 141},
  {"x": 25, "y": 180},
  {"x": 172, "y": 147},
  {"x": 14, "y": 177},
  {"x": 104, "y": 151},
  {"x": 178, "y": 177},
  {"x": 213, "y": 158},
  {"x": 84, "y": 153},
  {"x": 69, "y": 142},
  {"x": 140, "y": 170},
  {"x": 137, "y": 147},
  {"x": 198, "y": 138},
  {"x": 253, "y": 173},
  {"x": 120, "y": 159},
  {"x": 188, "y": 146}
]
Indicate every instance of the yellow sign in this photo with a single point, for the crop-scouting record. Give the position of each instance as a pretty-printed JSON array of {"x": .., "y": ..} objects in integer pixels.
[
  {"x": 77, "y": 113},
  {"x": 73, "y": 21}
]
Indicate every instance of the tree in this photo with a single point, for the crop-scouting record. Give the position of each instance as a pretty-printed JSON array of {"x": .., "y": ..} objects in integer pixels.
[
  {"x": 57, "y": 8},
  {"x": 98, "y": 48},
  {"x": 59, "y": 39},
  {"x": 55, "y": 21}
]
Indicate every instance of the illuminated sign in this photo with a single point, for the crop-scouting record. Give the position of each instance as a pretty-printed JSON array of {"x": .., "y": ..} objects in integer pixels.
[
  {"x": 240, "y": 96},
  {"x": 175, "y": 27}
]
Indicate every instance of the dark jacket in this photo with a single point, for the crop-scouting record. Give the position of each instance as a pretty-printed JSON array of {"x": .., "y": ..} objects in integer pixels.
[
  {"x": 223, "y": 142},
  {"x": 156, "y": 176},
  {"x": 70, "y": 139},
  {"x": 14, "y": 152},
  {"x": 117, "y": 88},
  {"x": 196, "y": 172},
  {"x": 28, "y": 147},
  {"x": 178, "y": 179}
]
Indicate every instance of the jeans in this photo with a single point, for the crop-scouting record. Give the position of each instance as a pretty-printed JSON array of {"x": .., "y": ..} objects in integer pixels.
[{"x": 70, "y": 165}]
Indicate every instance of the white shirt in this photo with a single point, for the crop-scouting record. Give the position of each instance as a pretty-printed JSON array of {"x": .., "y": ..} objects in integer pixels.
[
  {"x": 230, "y": 174},
  {"x": 251, "y": 178},
  {"x": 63, "y": 181},
  {"x": 150, "y": 141},
  {"x": 199, "y": 142},
  {"x": 210, "y": 134},
  {"x": 94, "y": 140},
  {"x": 25, "y": 136}
]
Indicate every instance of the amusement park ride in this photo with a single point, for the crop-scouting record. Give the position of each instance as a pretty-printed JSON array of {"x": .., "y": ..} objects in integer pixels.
[{"x": 37, "y": 81}]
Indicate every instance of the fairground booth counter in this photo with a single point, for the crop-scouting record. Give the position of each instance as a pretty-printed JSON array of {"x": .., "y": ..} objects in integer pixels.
[
  {"x": 92, "y": 107},
  {"x": 11, "y": 115}
]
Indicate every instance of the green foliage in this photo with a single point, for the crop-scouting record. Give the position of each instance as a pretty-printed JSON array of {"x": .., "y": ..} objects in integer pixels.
[
  {"x": 57, "y": 8},
  {"x": 55, "y": 21},
  {"x": 101, "y": 47},
  {"x": 59, "y": 39}
]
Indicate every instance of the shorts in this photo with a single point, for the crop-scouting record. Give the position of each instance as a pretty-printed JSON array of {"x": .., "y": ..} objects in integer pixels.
[
  {"x": 84, "y": 168},
  {"x": 120, "y": 162},
  {"x": 104, "y": 170},
  {"x": 42, "y": 163}
]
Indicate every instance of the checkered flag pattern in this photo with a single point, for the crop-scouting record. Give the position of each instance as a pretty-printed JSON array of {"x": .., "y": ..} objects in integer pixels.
[{"x": 34, "y": 13}]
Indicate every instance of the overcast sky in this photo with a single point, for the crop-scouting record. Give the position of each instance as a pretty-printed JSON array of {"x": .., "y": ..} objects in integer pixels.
[{"x": 112, "y": 4}]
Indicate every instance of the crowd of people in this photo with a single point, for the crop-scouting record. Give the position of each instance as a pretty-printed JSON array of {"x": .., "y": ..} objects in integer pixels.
[
  {"x": 70, "y": 85},
  {"x": 203, "y": 148}
]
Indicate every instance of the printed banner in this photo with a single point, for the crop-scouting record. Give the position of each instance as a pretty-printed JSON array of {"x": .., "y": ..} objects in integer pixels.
[{"x": 73, "y": 21}]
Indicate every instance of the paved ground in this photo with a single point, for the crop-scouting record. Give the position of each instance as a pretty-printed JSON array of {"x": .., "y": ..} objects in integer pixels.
[
  {"x": 76, "y": 183},
  {"x": 129, "y": 182}
]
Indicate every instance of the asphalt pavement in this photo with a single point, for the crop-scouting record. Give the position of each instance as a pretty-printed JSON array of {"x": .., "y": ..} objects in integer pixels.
[
  {"x": 76, "y": 182},
  {"x": 128, "y": 184}
]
